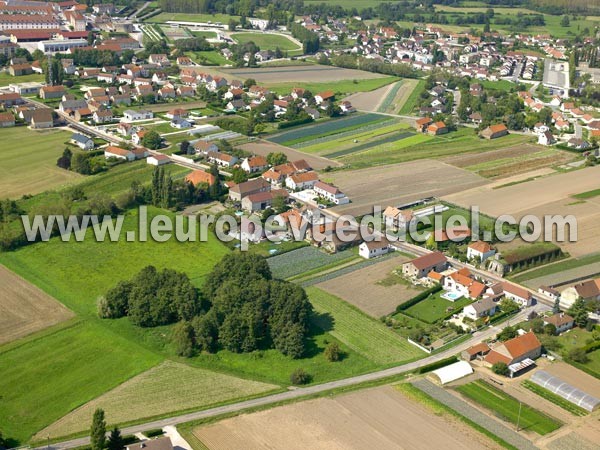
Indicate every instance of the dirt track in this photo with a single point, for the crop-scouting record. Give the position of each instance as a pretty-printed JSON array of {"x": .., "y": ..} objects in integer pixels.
[
  {"x": 25, "y": 309},
  {"x": 265, "y": 147},
  {"x": 379, "y": 418},
  {"x": 361, "y": 288}
]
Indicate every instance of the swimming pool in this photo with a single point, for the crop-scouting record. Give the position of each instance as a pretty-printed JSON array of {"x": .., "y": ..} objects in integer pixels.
[{"x": 452, "y": 296}]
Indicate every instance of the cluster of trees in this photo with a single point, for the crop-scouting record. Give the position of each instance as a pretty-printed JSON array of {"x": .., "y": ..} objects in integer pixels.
[
  {"x": 310, "y": 40},
  {"x": 152, "y": 139},
  {"x": 83, "y": 163},
  {"x": 508, "y": 107},
  {"x": 98, "y": 439},
  {"x": 99, "y": 58},
  {"x": 196, "y": 44},
  {"x": 152, "y": 298},
  {"x": 247, "y": 310},
  {"x": 237, "y": 124}
]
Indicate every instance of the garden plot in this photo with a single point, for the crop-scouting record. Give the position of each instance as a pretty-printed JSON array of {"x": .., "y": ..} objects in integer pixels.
[
  {"x": 373, "y": 289},
  {"x": 304, "y": 259},
  {"x": 175, "y": 33}
]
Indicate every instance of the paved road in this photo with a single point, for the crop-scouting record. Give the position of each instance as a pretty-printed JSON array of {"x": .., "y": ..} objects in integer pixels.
[
  {"x": 463, "y": 408},
  {"x": 299, "y": 392}
]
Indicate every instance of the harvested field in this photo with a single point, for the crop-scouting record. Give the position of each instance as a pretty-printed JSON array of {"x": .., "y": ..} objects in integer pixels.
[
  {"x": 363, "y": 288},
  {"x": 166, "y": 388},
  {"x": 371, "y": 101},
  {"x": 464, "y": 161},
  {"x": 399, "y": 183},
  {"x": 265, "y": 147},
  {"x": 388, "y": 99},
  {"x": 164, "y": 107},
  {"x": 25, "y": 309},
  {"x": 379, "y": 418},
  {"x": 299, "y": 74},
  {"x": 548, "y": 195}
]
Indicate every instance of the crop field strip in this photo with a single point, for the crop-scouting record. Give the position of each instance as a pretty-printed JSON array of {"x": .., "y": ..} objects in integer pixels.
[
  {"x": 390, "y": 97},
  {"x": 507, "y": 407},
  {"x": 326, "y": 128},
  {"x": 363, "y": 334},
  {"x": 386, "y": 139}
]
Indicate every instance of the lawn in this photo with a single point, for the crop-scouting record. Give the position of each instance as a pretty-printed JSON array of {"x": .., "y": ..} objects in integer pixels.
[
  {"x": 363, "y": 334},
  {"x": 507, "y": 407},
  {"x": 266, "y": 41},
  {"x": 341, "y": 87},
  {"x": 44, "y": 379},
  {"x": 6, "y": 78},
  {"x": 500, "y": 85},
  {"x": 183, "y": 17},
  {"x": 209, "y": 57},
  {"x": 28, "y": 161},
  {"x": 419, "y": 146},
  {"x": 435, "y": 308},
  {"x": 205, "y": 34},
  {"x": 168, "y": 388},
  {"x": 558, "y": 267}
]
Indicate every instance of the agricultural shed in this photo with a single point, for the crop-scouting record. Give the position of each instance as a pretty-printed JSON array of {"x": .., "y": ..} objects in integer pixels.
[
  {"x": 565, "y": 390},
  {"x": 453, "y": 372}
]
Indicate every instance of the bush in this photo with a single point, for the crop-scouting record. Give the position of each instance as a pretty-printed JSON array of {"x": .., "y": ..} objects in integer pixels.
[
  {"x": 153, "y": 433},
  {"x": 500, "y": 368},
  {"x": 300, "y": 376},
  {"x": 436, "y": 365},
  {"x": 578, "y": 355},
  {"x": 591, "y": 346},
  {"x": 333, "y": 352},
  {"x": 294, "y": 123}
]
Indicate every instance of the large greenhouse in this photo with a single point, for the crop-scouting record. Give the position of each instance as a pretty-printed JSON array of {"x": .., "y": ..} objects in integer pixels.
[{"x": 565, "y": 390}]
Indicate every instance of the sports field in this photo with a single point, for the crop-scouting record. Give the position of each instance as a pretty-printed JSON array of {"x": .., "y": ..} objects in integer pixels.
[
  {"x": 507, "y": 407},
  {"x": 266, "y": 41},
  {"x": 363, "y": 334},
  {"x": 28, "y": 161},
  {"x": 167, "y": 388},
  {"x": 25, "y": 309}
]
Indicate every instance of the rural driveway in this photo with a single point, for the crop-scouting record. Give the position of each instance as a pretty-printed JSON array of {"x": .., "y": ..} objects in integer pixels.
[{"x": 298, "y": 392}]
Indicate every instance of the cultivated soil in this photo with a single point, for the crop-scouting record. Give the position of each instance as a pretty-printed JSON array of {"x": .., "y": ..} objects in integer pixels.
[
  {"x": 25, "y": 309},
  {"x": 380, "y": 418},
  {"x": 265, "y": 147},
  {"x": 363, "y": 288}
]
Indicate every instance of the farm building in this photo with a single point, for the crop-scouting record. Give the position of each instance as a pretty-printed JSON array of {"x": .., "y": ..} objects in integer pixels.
[
  {"x": 494, "y": 131},
  {"x": 565, "y": 390},
  {"x": 476, "y": 351},
  {"x": 453, "y": 372},
  {"x": 238, "y": 191},
  {"x": 518, "y": 353},
  {"x": 158, "y": 160}
]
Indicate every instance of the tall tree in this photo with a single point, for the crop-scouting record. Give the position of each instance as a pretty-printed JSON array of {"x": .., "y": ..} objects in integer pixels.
[
  {"x": 98, "y": 430},
  {"x": 115, "y": 440}
]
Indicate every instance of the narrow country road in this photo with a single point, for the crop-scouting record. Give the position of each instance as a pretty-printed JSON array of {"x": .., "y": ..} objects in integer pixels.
[{"x": 300, "y": 392}]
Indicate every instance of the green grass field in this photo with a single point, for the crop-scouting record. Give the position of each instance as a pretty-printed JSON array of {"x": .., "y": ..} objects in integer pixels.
[
  {"x": 342, "y": 87},
  {"x": 209, "y": 57},
  {"x": 435, "y": 308},
  {"x": 557, "y": 267},
  {"x": 204, "y": 34},
  {"x": 183, "y": 17},
  {"x": 168, "y": 388},
  {"x": 588, "y": 194},
  {"x": 411, "y": 101},
  {"x": 44, "y": 379},
  {"x": 428, "y": 147},
  {"x": 507, "y": 407},
  {"x": 6, "y": 78},
  {"x": 28, "y": 161},
  {"x": 266, "y": 41},
  {"x": 365, "y": 335}
]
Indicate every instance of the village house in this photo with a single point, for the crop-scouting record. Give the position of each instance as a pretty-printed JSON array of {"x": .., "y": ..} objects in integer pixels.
[
  {"x": 82, "y": 141},
  {"x": 124, "y": 128},
  {"x": 205, "y": 147},
  {"x": 588, "y": 290},
  {"x": 437, "y": 128},
  {"x": 254, "y": 164},
  {"x": 373, "y": 249},
  {"x": 200, "y": 176},
  {"x": 481, "y": 308},
  {"x": 7, "y": 120},
  {"x": 103, "y": 116},
  {"x": 480, "y": 251},
  {"x": 50, "y": 92},
  {"x": 131, "y": 115},
  {"x": 238, "y": 191},
  {"x": 222, "y": 159},
  {"x": 397, "y": 218},
  {"x": 494, "y": 131},
  {"x": 421, "y": 266},
  {"x": 546, "y": 138},
  {"x": 422, "y": 124},
  {"x": 177, "y": 113},
  {"x": 517, "y": 353},
  {"x": 299, "y": 181},
  {"x": 118, "y": 153},
  {"x": 262, "y": 200},
  {"x": 516, "y": 293},
  {"x": 561, "y": 321},
  {"x": 42, "y": 118},
  {"x": 322, "y": 97},
  {"x": 330, "y": 193}
]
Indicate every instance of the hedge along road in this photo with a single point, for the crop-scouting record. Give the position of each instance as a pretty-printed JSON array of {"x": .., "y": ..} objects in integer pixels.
[{"x": 298, "y": 393}]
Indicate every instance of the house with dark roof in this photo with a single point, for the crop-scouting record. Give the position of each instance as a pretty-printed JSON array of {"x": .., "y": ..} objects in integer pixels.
[
  {"x": 481, "y": 308},
  {"x": 42, "y": 118},
  {"x": 238, "y": 191},
  {"x": 421, "y": 266},
  {"x": 561, "y": 321},
  {"x": 82, "y": 141}
]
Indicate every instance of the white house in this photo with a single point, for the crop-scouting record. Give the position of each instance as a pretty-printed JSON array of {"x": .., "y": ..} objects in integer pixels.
[
  {"x": 546, "y": 138},
  {"x": 521, "y": 296},
  {"x": 397, "y": 218},
  {"x": 480, "y": 250},
  {"x": 563, "y": 322},
  {"x": 131, "y": 115},
  {"x": 158, "y": 160},
  {"x": 222, "y": 159},
  {"x": 83, "y": 142},
  {"x": 304, "y": 180},
  {"x": 254, "y": 164},
  {"x": 372, "y": 249},
  {"x": 119, "y": 153},
  {"x": 480, "y": 308},
  {"x": 331, "y": 193}
]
